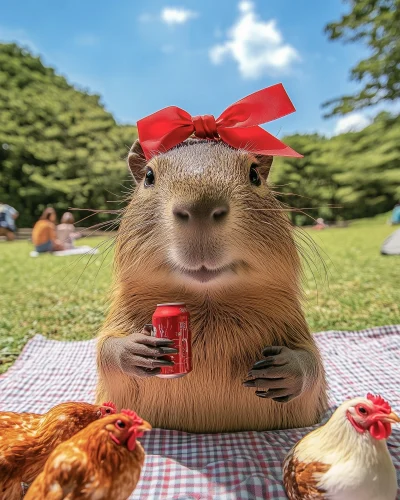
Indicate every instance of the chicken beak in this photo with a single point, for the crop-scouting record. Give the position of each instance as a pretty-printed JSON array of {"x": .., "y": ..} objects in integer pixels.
[
  {"x": 144, "y": 427},
  {"x": 135, "y": 432},
  {"x": 392, "y": 418}
]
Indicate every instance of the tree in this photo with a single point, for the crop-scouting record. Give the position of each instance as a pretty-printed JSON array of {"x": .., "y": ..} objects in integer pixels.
[
  {"x": 58, "y": 145},
  {"x": 348, "y": 176},
  {"x": 304, "y": 185},
  {"x": 377, "y": 24}
]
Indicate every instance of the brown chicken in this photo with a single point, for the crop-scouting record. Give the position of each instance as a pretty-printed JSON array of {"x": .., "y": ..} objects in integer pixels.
[
  {"x": 101, "y": 462},
  {"x": 27, "y": 439}
]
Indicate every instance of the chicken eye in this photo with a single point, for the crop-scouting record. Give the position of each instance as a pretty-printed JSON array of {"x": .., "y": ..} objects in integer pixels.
[
  {"x": 108, "y": 410},
  {"x": 362, "y": 410},
  {"x": 120, "y": 424},
  {"x": 254, "y": 175},
  {"x": 149, "y": 178}
]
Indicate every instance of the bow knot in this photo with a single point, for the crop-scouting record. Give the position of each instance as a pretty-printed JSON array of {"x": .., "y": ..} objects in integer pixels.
[
  {"x": 205, "y": 127},
  {"x": 237, "y": 126}
]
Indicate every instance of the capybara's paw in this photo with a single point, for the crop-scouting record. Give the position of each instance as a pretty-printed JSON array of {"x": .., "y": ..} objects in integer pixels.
[
  {"x": 140, "y": 354},
  {"x": 279, "y": 376}
]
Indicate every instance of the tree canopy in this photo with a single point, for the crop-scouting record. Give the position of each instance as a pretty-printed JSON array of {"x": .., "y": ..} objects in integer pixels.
[
  {"x": 58, "y": 145},
  {"x": 377, "y": 24},
  {"x": 347, "y": 176}
]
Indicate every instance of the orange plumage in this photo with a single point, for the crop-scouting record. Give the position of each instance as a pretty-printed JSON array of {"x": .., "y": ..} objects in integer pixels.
[
  {"x": 103, "y": 461},
  {"x": 27, "y": 439}
]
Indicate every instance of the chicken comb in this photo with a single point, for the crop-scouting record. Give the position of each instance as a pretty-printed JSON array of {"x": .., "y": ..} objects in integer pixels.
[
  {"x": 111, "y": 405},
  {"x": 134, "y": 416},
  {"x": 383, "y": 405}
]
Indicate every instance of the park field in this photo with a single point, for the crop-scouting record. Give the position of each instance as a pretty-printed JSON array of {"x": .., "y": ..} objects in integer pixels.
[{"x": 66, "y": 297}]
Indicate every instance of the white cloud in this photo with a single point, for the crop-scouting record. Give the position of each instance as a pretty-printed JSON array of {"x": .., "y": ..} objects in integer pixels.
[
  {"x": 86, "y": 40},
  {"x": 256, "y": 45},
  {"x": 177, "y": 15},
  {"x": 246, "y": 6},
  {"x": 351, "y": 123}
]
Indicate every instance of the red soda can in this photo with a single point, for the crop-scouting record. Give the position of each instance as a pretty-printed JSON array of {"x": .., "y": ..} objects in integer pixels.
[{"x": 172, "y": 321}]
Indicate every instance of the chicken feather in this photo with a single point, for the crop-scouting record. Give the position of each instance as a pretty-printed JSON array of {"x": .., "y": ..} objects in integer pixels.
[
  {"x": 347, "y": 458},
  {"x": 92, "y": 465},
  {"x": 27, "y": 439}
]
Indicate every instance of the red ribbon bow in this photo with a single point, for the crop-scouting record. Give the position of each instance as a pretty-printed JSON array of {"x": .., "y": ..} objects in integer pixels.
[{"x": 236, "y": 126}]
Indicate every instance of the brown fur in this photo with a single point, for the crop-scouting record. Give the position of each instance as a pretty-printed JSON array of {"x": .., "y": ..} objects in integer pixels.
[{"x": 232, "y": 319}]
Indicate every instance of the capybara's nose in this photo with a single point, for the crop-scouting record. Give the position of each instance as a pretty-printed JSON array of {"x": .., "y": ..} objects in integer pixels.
[{"x": 203, "y": 211}]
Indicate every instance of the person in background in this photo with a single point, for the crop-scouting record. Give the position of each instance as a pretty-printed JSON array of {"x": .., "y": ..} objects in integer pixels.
[
  {"x": 8, "y": 215},
  {"x": 66, "y": 231},
  {"x": 395, "y": 219},
  {"x": 320, "y": 224},
  {"x": 44, "y": 233}
]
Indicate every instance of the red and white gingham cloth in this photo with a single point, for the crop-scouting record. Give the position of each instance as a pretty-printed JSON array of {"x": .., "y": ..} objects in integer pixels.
[{"x": 180, "y": 466}]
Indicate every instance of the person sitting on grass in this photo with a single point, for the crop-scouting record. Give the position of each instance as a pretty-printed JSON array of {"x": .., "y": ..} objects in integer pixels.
[
  {"x": 8, "y": 214},
  {"x": 319, "y": 224},
  {"x": 44, "y": 233},
  {"x": 66, "y": 231}
]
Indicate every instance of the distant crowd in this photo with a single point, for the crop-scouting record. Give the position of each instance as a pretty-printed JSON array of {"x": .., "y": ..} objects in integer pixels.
[{"x": 47, "y": 236}]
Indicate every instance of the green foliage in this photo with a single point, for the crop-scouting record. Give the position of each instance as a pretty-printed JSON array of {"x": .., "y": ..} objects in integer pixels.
[
  {"x": 377, "y": 24},
  {"x": 349, "y": 176},
  {"x": 58, "y": 145}
]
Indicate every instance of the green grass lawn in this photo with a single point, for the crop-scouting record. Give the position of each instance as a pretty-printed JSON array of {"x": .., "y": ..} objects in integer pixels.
[{"x": 66, "y": 297}]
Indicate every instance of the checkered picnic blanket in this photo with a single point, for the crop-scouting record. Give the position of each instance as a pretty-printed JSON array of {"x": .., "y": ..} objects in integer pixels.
[{"x": 180, "y": 466}]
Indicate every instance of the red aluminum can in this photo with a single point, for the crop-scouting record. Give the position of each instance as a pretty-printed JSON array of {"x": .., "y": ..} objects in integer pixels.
[{"x": 172, "y": 321}]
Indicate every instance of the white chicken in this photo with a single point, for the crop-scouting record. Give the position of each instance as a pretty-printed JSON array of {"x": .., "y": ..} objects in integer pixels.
[{"x": 347, "y": 458}]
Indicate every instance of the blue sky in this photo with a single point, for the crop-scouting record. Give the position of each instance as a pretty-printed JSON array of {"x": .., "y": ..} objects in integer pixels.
[{"x": 141, "y": 56}]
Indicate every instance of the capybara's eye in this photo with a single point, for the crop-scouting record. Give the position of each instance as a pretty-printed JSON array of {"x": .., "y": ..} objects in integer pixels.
[
  {"x": 149, "y": 178},
  {"x": 120, "y": 424},
  {"x": 254, "y": 175}
]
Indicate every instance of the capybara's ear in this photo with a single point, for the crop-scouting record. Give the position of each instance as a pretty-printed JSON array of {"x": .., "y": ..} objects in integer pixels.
[
  {"x": 264, "y": 165},
  {"x": 136, "y": 161}
]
